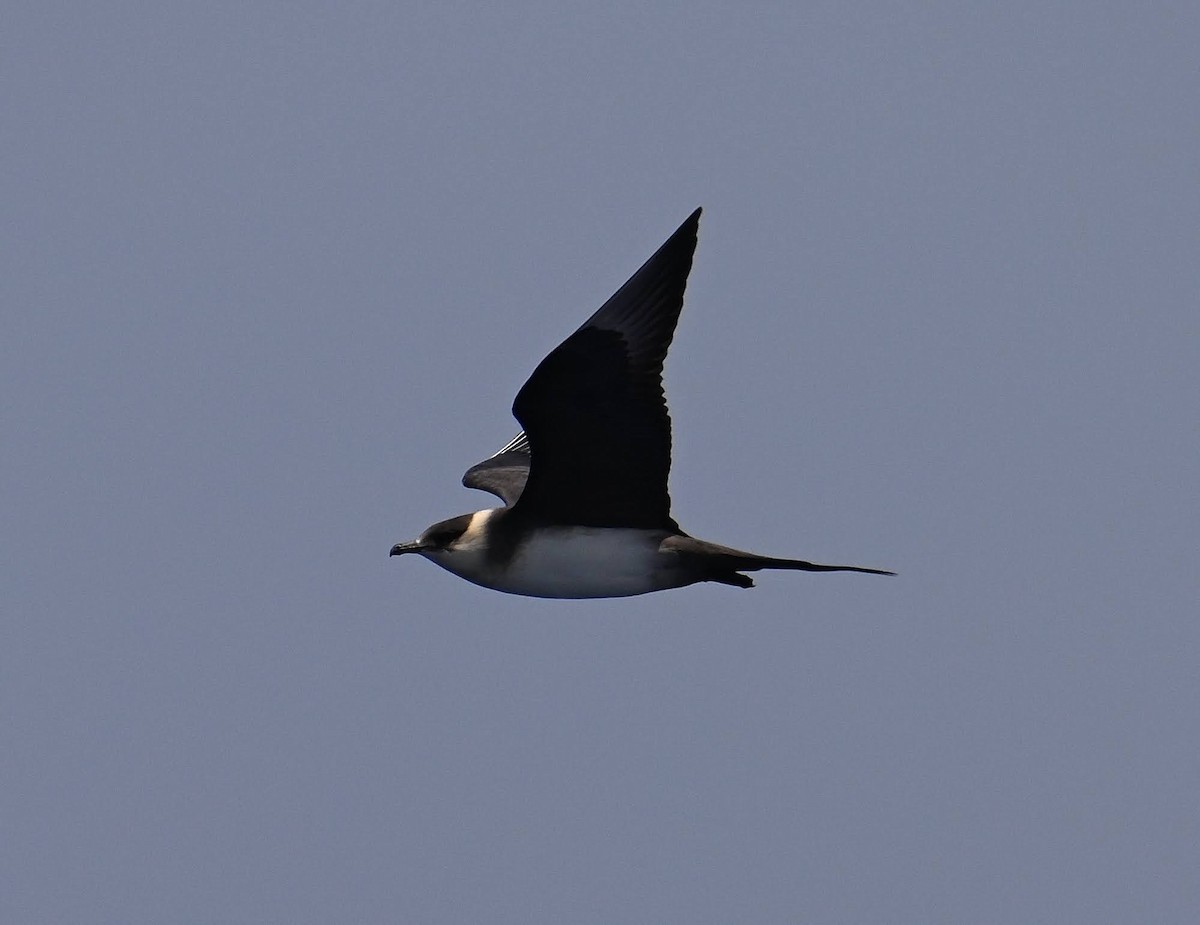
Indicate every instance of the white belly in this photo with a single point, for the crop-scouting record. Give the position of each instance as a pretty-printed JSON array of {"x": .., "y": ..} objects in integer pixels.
[{"x": 571, "y": 562}]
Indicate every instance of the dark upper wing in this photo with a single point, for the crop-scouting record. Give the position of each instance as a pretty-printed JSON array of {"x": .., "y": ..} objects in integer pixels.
[
  {"x": 594, "y": 409},
  {"x": 504, "y": 473}
]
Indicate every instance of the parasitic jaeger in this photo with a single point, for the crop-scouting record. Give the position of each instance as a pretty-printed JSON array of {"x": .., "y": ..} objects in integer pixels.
[{"x": 586, "y": 509}]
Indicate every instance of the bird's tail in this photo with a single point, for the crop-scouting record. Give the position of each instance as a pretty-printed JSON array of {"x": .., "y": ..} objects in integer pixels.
[
  {"x": 753, "y": 563},
  {"x": 723, "y": 564}
]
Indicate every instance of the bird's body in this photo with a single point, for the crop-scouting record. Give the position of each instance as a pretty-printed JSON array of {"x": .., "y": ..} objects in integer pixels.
[
  {"x": 556, "y": 561},
  {"x": 587, "y": 512}
]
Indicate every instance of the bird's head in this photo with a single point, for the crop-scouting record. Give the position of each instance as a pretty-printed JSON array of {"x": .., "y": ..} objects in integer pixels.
[{"x": 437, "y": 539}]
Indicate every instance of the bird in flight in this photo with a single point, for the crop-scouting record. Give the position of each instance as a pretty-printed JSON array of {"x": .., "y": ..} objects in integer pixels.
[{"x": 586, "y": 509}]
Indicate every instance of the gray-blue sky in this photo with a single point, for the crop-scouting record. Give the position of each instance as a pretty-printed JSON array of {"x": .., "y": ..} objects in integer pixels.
[{"x": 271, "y": 278}]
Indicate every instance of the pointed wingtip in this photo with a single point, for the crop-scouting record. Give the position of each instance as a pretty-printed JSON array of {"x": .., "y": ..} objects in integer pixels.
[{"x": 688, "y": 230}]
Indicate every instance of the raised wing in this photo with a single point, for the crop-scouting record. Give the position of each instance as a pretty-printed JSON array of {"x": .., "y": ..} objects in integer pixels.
[
  {"x": 503, "y": 473},
  {"x": 594, "y": 409}
]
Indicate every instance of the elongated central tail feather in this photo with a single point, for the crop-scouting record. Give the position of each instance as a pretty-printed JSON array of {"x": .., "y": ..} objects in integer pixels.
[{"x": 753, "y": 563}]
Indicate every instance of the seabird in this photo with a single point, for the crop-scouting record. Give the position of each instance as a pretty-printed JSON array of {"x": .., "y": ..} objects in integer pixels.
[{"x": 586, "y": 509}]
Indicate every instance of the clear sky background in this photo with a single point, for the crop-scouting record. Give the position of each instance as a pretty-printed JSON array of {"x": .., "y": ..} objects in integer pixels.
[{"x": 271, "y": 275}]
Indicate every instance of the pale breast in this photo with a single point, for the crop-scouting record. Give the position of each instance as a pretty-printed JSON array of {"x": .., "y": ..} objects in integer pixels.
[{"x": 571, "y": 562}]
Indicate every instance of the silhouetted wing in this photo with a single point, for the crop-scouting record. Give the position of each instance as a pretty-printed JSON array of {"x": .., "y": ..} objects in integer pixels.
[
  {"x": 594, "y": 409},
  {"x": 504, "y": 473}
]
